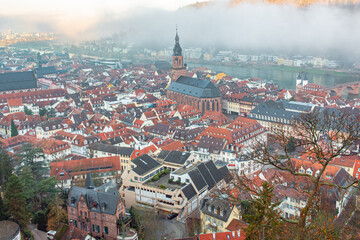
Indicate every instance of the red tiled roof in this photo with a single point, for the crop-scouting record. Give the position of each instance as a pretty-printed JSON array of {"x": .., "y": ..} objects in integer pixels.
[
  {"x": 217, "y": 118},
  {"x": 15, "y": 102},
  {"x": 235, "y": 235},
  {"x": 174, "y": 146},
  {"x": 17, "y": 140},
  {"x": 83, "y": 166},
  {"x": 147, "y": 150},
  {"x": 33, "y": 96},
  {"x": 50, "y": 146},
  {"x": 237, "y": 224}
]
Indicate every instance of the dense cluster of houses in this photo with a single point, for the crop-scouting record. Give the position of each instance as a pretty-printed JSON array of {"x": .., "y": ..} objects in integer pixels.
[{"x": 119, "y": 126}]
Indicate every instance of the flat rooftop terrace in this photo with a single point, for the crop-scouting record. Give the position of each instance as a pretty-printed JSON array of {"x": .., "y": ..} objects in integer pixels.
[{"x": 164, "y": 180}]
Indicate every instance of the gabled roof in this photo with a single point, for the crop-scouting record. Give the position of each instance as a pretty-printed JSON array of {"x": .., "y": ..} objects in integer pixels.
[
  {"x": 189, "y": 191},
  {"x": 144, "y": 164},
  {"x": 214, "y": 171},
  {"x": 163, "y": 154},
  {"x": 210, "y": 181},
  {"x": 200, "y": 88},
  {"x": 111, "y": 149},
  {"x": 40, "y": 72},
  {"x": 218, "y": 208},
  {"x": 17, "y": 80},
  {"x": 15, "y": 102},
  {"x": 96, "y": 201},
  {"x": 197, "y": 179},
  {"x": 177, "y": 157}
]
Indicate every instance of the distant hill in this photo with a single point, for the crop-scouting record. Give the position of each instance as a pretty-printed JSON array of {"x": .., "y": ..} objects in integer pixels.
[
  {"x": 302, "y": 2},
  {"x": 233, "y": 3}
]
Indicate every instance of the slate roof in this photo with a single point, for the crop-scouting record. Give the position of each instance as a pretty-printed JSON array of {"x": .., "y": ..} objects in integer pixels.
[
  {"x": 40, "y": 72},
  {"x": 177, "y": 157},
  {"x": 212, "y": 144},
  {"x": 210, "y": 181},
  {"x": 273, "y": 109},
  {"x": 160, "y": 128},
  {"x": 112, "y": 149},
  {"x": 186, "y": 134},
  {"x": 113, "y": 141},
  {"x": 100, "y": 198},
  {"x": 144, "y": 164},
  {"x": 225, "y": 174},
  {"x": 200, "y": 88},
  {"x": 189, "y": 191},
  {"x": 163, "y": 154},
  {"x": 214, "y": 206},
  {"x": 17, "y": 80},
  {"x": 197, "y": 179},
  {"x": 214, "y": 171}
]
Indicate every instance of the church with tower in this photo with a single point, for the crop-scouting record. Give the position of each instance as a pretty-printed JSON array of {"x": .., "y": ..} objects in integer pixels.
[{"x": 199, "y": 93}]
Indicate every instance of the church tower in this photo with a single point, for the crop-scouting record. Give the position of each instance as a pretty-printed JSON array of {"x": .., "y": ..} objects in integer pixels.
[{"x": 178, "y": 69}]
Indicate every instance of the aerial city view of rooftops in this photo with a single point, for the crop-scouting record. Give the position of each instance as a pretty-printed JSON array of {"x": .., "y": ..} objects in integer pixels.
[{"x": 180, "y": 120}]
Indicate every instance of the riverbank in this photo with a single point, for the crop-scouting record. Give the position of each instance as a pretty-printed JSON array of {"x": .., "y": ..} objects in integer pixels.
[{"x": 293, "y": 69}]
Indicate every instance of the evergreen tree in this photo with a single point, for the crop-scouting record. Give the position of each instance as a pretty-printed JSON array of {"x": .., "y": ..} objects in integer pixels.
[
  {"x": 265, "y": 223},
  {"x": 3, "y": 215},
  {"x": 30, "y": 187},
  {"x": 47, "y": 188},
  {"x": 34, "y": 158},
  {"x": 15, "y": 201},
  {"x": 5, "y": 167},
  {"x": 13, "y": 127}
]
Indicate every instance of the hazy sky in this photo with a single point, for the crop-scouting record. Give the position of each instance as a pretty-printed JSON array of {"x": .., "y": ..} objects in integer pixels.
[
  {"x": 317, "y": 29},
  {"x": 73, "y": 16}
]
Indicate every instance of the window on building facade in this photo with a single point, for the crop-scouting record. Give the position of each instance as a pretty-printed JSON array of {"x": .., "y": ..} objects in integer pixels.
[{"x": 106, "y": 230}]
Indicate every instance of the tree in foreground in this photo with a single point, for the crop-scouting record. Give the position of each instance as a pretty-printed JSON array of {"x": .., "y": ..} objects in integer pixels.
[
  {"x": 266, "y": 222},
  {"x": 5, "y": 167},
  {"x": 324, "y": 135},
  {"x": 32, "y": 157},
  {"x": 30, "y": 187},
  {"x": 15, "y": 201},
  {"x": 56, "y": 214}
]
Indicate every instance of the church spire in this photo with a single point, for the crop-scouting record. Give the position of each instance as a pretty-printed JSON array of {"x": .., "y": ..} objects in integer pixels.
[{"x": 177, "y": 48}]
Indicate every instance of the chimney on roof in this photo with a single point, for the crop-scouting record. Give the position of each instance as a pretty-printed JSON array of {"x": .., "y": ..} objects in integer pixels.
[{"x": 214, "y": 236}]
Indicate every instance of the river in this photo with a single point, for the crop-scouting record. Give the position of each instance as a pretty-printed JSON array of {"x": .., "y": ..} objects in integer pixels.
[{"x": 284, "y": 79}]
